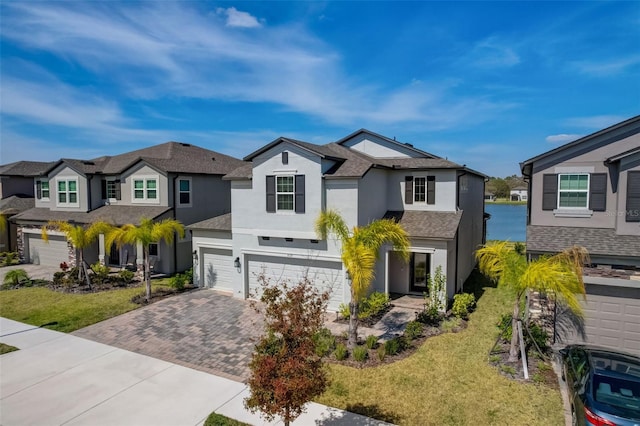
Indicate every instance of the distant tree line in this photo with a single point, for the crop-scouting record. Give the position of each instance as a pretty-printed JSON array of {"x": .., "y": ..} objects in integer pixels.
[{"x": 501, "y": 187}]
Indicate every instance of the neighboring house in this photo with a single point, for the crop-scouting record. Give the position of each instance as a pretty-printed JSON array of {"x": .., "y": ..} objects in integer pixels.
[
  {"x": 489, "y": 196},
  {"x": 277, "y": 197},
  {"x": 171, "y": 180},
  {"x": 587, "y": 192},
  {"x": 519, "y": 193},
  {"x": 17, "y": 195}
]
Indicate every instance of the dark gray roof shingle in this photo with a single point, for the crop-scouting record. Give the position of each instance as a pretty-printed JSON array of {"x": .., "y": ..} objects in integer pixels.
[
  {"x": 598, "y": 241},
  {"x": 116, "y": 215},
  {"x": 14, "y": 204},
  {"x": 25, "y": 168},
  {"x": 427, "y": 224},
  {"x": 218, "y": 223}
]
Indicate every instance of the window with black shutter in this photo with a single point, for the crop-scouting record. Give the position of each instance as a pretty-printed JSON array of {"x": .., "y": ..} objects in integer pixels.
[
  {"x": 598, "y": 192},
  {"x": 633, "y": 197},
  {"x": 549, "y": 191},
  {"x": 271, "y": 194},
  {"x": 38, "y": 190},
  {"x": 103, "y": 189},
  {"x": 431, "y": 189},
  {"x": 408, "y": 189},
  {"x": 299, "y": 188}
]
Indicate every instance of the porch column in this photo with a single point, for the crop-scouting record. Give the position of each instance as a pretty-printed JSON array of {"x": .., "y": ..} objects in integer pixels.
[
  {"x": 101, "y": 254},
  {"x": 386, "y": 272}
]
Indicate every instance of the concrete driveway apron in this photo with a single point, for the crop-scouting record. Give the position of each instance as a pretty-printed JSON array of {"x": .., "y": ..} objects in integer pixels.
[{"x": 201, "y": 329}]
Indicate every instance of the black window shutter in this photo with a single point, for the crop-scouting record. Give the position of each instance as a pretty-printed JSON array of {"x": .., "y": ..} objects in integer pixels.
[
  {"x": 408, "y": 189},
  {"x": 271, "y": 194},
  {"x": 549, "y": 191},
  {"x": 633, "y": 196},
  {"x": 598, "y": 192},
  {"x": 431, "y": 189},
  {"x": 118, "y": 189},
  {"x": 285, "y": 157},
  {"x": 38, "y": 189},
  {"x": 299, "y": 193},
  {"x": 104, "y": 189}
]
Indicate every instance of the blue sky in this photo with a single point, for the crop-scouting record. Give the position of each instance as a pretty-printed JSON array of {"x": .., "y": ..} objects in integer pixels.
[{"x": 486, "y": 84}]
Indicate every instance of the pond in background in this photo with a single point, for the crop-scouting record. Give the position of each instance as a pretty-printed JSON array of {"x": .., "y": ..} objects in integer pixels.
[{"x": 508, "y": 222}]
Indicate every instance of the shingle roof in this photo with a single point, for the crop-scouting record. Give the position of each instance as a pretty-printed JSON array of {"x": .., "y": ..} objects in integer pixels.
[
  {"x": 25, "y": 168},
  {"x": 392, "y": 141},
  {"x": 14, "y": 204},
  {"x": 116, "y": 215},
  {"x": 218, "y": 223},
  {"x": 427, "y": 224},
  {"x": 598, "y": 241},
  {"x": 174, "y": 157}
]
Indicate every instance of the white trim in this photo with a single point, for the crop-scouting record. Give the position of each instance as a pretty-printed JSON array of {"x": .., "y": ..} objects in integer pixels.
[
  {"x": 276, "y": 233},
  {"x": 67, "y": 192},
  {"x": 284, "y": 171},
  {"x": 42, "y": 197},
  {"x": 178, "y": 192},
  {"x": 572, "y": 212},
  {"x": 39, "y": 232},
  {"x": 292, "y": 193},
  {"x": 215, "y": 246},
  {"x": 321, "y": 257},
  {"x": 144, "y": 179},
  {"x": 587, "y": 190},
  {"x": 115, "y": 189}
]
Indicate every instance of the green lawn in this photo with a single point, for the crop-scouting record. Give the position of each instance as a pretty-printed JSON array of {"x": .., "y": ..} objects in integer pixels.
[
  {"x": 448, "y": 381},
  {"x": 39, "y": 305},
  {"x": 5, "y": 349}
]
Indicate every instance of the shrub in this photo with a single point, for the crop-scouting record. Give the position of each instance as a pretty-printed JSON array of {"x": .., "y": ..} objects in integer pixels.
[
  {"x": 430, "y": 316},
  {"x": 188, "y": 276},
  {"x": 504, "y": 326},
  {"x": 59, "y": 278},
  {"x": 538, "y": 335},
  {"x": 343, "y": 310},
  {"x": 413, "y": 330},
  {"x": 437, "y": 296},
  {"x": 393, "y": 346},
  {"x": 371, "y": 341},
  {"x": 126, "y": 275},
  {"x": 382, "y": 352},
  {"x": 463, "y": 304},
  {"x": 360, "y": 353},
  {"x": 16, "y": 277},
  {"x": 10, "y": 258},
  {"x": 370, "y": 306},
  {"x": 177, "y": 281},
  {"x": 216, "y": 419},
  {"x": 324, "y": 342},
  {"x": 520, "y": 248},
  {"x": 100, "y": 272},
  {"x": 449, "y": 324},
  {"x": 341, "y": 352}
]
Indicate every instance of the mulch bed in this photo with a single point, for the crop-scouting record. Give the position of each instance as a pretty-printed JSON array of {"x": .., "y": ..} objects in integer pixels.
[
  {"x": 539, "y": 367},
  {"x": 369, "y": 321}
]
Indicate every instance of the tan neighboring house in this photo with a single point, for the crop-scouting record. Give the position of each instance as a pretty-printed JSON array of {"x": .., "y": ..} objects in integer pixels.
[
  {"x": 17, "y": 195},
  {"x": 171, "y": 180},
  {"x": 587, "y": 192}
]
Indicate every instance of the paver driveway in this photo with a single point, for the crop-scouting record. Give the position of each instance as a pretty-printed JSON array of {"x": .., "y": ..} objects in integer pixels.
[{"x": 201, "y": 329}]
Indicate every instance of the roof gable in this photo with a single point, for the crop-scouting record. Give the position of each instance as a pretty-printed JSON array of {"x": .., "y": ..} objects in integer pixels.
[{"x": 379, "y": 146}]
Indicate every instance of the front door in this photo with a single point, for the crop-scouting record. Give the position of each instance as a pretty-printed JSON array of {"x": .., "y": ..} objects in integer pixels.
[
  {"x": 114, "y": 255},
  {"x": 420, "y": 269}
]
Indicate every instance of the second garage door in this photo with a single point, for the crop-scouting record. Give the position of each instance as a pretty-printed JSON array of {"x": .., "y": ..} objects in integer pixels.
[
  {"x": 51, "y": 253},
  {"x": 217, "y": 267},
  {"x": 323, "y": 274},
  {"x": 612, "y": 319}
]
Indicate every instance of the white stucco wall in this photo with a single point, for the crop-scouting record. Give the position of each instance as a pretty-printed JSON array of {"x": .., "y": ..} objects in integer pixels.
[
  {"x": 378, "y": 147},
  {"x": 142, "y": 170},
  {"x": 445, "y": 190},
  {"x": 63, "y": 173}
]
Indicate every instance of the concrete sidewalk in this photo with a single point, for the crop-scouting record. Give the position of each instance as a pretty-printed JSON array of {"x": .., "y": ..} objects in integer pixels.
[{"x": 57, "y": 379}]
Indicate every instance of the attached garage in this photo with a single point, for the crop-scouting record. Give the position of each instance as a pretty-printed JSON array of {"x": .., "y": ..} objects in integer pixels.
[
  {"x": 51, "y": 253},
  {"x": 323, "y": 274},
  {"x": 217, "y": 269},
  {"x": 612, "y": 319}
]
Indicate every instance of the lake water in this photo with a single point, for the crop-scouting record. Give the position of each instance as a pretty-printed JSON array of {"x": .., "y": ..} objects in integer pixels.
[{"x": 508, "y": 222}]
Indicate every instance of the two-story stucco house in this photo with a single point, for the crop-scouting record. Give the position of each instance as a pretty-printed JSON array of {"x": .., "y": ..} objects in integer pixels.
[
  {"x": 277, "y": 197},
  {"x": 17, "y": 195},
  {"x": 587, "y": 192},
  {"x": 171, "y": 180}
]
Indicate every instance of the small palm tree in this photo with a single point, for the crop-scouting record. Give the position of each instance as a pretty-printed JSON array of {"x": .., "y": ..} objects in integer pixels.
[
  {"x": 80, "y": 237},
  {"x": 15, "y": 276},
  {"x": 360, "y": 250},
  {"x": 560, "y": 274},
  {"x": 146, "y": 233}
]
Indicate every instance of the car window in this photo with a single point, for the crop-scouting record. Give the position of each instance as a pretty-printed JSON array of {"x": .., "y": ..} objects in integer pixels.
[{"x": 617, "y": 392}]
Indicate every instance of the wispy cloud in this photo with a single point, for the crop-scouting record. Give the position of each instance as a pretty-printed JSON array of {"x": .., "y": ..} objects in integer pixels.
[
  {"x": 493, "y": 53},
  {"x": 606, "y": 68},
  {"x": 160, "y": 50},
  {"x": 237, "y": 18},
  {"x": 595, "y": 122},
  {"x": 561, "y": 138}
]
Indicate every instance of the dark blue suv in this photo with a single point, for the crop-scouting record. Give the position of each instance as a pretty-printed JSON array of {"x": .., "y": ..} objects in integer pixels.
[{"x": 603, "y": 385}]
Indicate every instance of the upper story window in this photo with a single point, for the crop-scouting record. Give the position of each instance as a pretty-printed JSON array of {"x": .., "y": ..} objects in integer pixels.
[
  {"x": 111, "y": 189},
  {"x": 573, "y": 190},
  {"x": 184, "y": 191},
  {"x": 42, "y": 190},
  {"x": 68, "y": 192},
  {"x": 145, "y": 189},
  {"x": 286, "y": 193},
  {"x": 420, "y": 189}
]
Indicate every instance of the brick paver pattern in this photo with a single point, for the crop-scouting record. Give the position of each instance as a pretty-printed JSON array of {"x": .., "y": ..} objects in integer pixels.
[{"x": 201, "y": 329}]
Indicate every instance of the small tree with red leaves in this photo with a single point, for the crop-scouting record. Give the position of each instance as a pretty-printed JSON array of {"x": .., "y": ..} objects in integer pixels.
[{"x": 285, "y": 371}]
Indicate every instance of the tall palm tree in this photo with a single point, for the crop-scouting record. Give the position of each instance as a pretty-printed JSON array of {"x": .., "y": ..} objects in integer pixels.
[
  {"x": 80, "y": 237},
  {"x": 560, "y": 274},
  {"x": 146, "y": 233},
  {"x": 360, "y": 249}
]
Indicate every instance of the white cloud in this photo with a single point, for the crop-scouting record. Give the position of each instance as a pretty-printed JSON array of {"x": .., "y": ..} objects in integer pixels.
[
  {"x": 561, "y": 138},
  {"x": 606, "y": 68},
  {"x": 493, "y": 53},
  {"x": 237, "y": 18}
]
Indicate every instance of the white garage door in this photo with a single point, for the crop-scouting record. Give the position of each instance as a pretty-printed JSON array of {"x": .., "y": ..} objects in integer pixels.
[
  {"x": 217, "y": 267},
  {"x": 323, "y": 274},
  {"x": 612, "y": 318},
  {"x": 52, "y": 253}
]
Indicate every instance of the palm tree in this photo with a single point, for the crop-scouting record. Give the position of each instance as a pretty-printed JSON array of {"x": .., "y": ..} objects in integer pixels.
[
  {"x": 80, "y": 237},
  {"x": 360, "y": 249},
  {"x": 146, "y": 233},
  {"x": 560, "y": 274}
]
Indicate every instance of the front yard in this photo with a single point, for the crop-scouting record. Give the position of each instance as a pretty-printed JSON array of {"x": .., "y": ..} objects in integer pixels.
[{"x": 447, "y": 381}]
